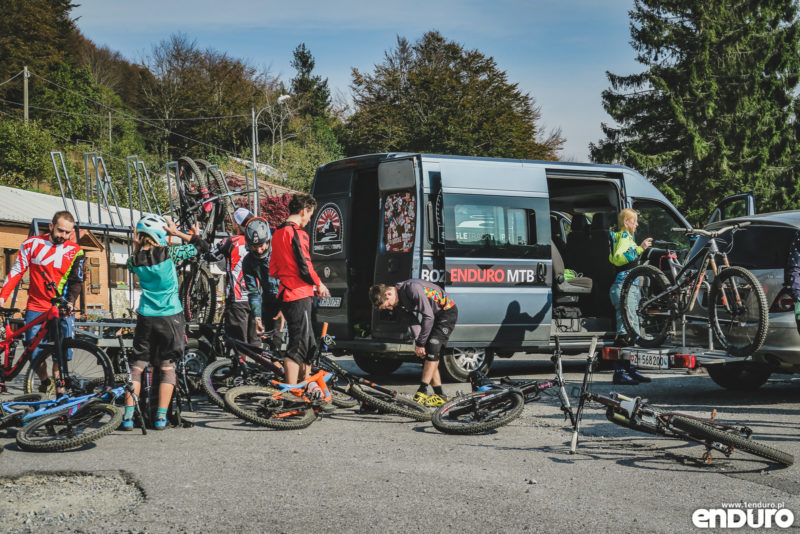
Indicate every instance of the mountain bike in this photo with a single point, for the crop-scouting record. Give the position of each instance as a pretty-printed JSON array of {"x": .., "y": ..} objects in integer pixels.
[
  {"x": 637, "y": 414},
  {"x": 737, "y": 311},
  {"x": 494, "y": 404},
  {"x": 79, "y": 366},
  {"x": 49, "y": 425}
]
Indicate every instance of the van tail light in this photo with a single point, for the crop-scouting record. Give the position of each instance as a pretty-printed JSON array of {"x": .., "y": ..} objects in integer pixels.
[
  {"x": 610, "y": 353},
  {"x": 783, "y": 302},
  {"x": 684, "y": 361}
]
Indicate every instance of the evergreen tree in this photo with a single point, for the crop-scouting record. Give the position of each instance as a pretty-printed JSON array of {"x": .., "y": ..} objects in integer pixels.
[
  {"x": 312, "y": 92},
  {"x": 713, "y": 112}
]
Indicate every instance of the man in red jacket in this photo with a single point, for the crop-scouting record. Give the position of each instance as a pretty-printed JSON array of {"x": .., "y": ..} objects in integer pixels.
[{"x": 291, "y": 264}]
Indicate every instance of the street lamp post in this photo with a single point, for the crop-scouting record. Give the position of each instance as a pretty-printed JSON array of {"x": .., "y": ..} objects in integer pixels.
[{"x": 254, "y": 116}]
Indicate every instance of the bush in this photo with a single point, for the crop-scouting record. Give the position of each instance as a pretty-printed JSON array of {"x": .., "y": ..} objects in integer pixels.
[{"x": 24, "y": 155}]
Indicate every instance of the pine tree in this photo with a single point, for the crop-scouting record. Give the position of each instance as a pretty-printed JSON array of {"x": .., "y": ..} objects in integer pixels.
[
  {"x": 311, "y": 92},
  {"x": 713, "y": 112}
]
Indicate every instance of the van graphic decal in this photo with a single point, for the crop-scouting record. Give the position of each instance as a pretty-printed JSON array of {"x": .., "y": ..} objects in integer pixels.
[
  {"x": 486, "y": 275},
  {"x": 399, "y": 221},
  {"x": 328, "y": 230}
]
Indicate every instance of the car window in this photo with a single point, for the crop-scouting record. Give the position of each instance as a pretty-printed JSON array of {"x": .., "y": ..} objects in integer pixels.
[
  {"x": 656, "y": 221},
  {"x": 755, "y": 247}
]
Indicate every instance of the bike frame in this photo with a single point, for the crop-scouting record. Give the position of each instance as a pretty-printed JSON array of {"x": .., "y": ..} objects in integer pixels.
[{"x": 65, "y": 403}]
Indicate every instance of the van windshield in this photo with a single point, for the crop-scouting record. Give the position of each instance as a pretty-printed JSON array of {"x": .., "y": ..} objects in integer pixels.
[{"x": 496, "y": 227}]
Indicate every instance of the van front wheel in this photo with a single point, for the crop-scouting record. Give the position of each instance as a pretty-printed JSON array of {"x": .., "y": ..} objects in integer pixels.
[{"x": 458, "y": 363}]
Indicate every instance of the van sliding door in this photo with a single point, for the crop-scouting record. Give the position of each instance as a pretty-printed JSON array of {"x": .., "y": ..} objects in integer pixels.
[{"x": 497, "y": 259}]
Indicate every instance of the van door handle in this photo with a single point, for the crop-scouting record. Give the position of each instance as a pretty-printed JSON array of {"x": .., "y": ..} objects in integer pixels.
[
  {"x": 541, "y": 273},
  {"x": 391, "y": 264}
]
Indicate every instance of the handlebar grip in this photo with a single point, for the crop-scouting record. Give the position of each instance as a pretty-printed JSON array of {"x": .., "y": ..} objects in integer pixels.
[
  {"x": 680, "y": 229},
  {"x": 324, "y": 330}
]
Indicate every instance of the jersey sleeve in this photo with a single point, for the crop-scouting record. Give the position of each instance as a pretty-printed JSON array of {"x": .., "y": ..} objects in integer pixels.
[{"x": 21, "y": 265}]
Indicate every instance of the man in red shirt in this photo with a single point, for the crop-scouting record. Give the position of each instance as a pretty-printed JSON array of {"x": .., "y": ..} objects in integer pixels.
[
  {"x": 50, "y": 258},
  {"x": 290, "y": 263}
]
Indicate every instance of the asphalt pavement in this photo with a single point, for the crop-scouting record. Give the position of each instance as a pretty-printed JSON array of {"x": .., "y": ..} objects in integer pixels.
[{"x": 381, "y": 473}]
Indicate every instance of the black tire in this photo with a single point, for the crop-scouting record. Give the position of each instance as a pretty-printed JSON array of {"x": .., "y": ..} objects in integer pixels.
[
  {"x": 218, "y": 378},
  {"x": 90, "y": 370},
  {"x": 30, "y": 397},
  {"x": 62, "y": 431},
  {"x": 254, "y": 404},
  {"x": 399, "y": 404},
  {"x": 654, "y": 313},
  {"x": 739, "y": 376},
  {"x": 458, "y": 363},
  {"x": 705, "y": 431},
  {"x": 342, "y": 399},
  {"x": 193, "y": 182},
  {"x": 739, "y": 324},
  {"x": 217, "y": 185},
  {"x": 198, "y": 294},
  {"x": 194, "y": 362},
  {"x": 374, "y": 365},
  {"x": 478, "y": 412}
]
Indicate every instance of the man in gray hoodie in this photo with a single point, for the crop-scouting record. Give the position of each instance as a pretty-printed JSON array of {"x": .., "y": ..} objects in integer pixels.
[{"x": 438, "y": 318}]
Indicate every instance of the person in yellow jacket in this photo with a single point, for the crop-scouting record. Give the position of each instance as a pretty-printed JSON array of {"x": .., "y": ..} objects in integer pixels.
[{"x": 625, "y": 254}]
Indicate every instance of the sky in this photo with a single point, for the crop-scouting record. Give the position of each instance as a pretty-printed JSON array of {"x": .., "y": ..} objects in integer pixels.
[{"x": 557, "y": 51}]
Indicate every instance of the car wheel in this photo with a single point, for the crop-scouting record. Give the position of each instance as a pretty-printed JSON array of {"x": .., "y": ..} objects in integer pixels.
[
  {"x": 739, "y": 376},
  {"x": 373, "y": 364},
  {"x": 458, "y": 363}
]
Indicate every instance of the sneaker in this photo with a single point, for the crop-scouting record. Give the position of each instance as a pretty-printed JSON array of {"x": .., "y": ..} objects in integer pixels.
[
  {"x": 160, "y": 424},
  {"x": 420, "y": 398},
  {"x": 46, "y": 386},
  {"x": 436, "y": 400},
  {"x": 127, "y": 424},
  {"x": 621, "y": 378},
  {"x": 633, "y": 372}
]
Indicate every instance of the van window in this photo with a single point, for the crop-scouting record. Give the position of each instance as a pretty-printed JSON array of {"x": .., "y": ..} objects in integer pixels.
[
  {"x": 496, "y": 227},
  {"x": 656, "y": 221},
  {"x": 754, "y": 247}
]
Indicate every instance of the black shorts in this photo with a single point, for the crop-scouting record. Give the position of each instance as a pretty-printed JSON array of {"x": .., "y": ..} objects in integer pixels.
[
  {"x": 268, "y": 311},
  {"x": 159, "y": 339},
  {"x": 443, "y": 324},
  {"x": 302, "y": 343},
  {"x": 240, "y": 323}
]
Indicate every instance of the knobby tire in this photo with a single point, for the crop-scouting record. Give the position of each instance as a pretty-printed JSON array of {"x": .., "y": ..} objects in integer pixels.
[
  {"x": 247, "y": 402},
  {"x": 399, "y": 404},
  {"x": 478, "y": 412},
  {"x": 61, "y": 431}
]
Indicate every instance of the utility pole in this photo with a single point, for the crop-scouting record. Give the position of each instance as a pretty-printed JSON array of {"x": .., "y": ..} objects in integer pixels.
[
  {"x": 109, "y": 130},
  {"x": 25, "y": 75},
  {"x": 254, "y": 135}
]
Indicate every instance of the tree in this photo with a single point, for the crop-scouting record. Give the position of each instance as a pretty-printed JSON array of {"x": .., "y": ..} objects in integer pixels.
[
  {"x": 312, "y": 92},
  {"x": 436, "y": 96},
  {"x": 713, "y": 112},
  {"x": 315, "y": 145}
]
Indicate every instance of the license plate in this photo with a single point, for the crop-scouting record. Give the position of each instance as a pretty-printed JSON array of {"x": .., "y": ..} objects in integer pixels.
[
  {"x": 649, "y": 361},
  {"x": 329, "y": 302}
]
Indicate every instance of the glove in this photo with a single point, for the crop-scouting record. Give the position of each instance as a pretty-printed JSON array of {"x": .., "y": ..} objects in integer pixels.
[
  {"x": 313, "y": 391},
  {"x": 797, "y": 310}
]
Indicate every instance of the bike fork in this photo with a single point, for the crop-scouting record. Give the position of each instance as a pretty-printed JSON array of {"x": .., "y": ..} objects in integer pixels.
[{"x": 576, "y": 423}]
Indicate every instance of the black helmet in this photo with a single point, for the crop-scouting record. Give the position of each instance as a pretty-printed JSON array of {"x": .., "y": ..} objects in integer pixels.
[{"x": 257, "y": 232}]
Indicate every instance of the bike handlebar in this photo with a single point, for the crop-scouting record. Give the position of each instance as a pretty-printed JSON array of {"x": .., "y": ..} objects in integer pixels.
[
  {"x": 713, "y": 233},
  {"x": 9, "y": 311}
]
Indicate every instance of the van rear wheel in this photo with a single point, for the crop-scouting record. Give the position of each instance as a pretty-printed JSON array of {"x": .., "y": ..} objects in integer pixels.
[
  {"x": 458, "y": 363},
  {"x": 373, "y": 364}
]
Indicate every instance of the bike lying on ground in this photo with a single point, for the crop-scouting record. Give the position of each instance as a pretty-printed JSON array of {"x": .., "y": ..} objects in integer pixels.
[
  {"x": 494, "y": 404},
  {"x": 635, "y": 413},
  {"x": 65, "y": 423},
  {"x": 736, "y": 305}
]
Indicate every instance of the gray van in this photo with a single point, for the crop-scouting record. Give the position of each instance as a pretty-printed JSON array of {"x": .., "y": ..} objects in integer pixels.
[{"x": 496, "y": 233}]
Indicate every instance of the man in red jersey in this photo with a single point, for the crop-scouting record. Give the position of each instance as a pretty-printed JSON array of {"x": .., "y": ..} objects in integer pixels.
[
  {"x": 50, "y": 258},
  {"x": 290, "y": 263}
]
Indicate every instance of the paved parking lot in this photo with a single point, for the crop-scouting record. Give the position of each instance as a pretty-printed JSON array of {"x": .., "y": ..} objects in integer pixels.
[{"x": 380, "y": 473}]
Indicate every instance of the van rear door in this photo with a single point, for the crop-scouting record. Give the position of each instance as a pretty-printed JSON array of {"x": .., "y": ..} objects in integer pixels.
[{"x": 495, "y": 233}]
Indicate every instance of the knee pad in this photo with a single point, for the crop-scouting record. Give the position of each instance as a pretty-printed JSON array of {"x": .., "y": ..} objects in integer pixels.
[
  {"x": 137, "y": 369},
  {"x": 168, "y": 375},
  {"x": 431, "y": 357}
]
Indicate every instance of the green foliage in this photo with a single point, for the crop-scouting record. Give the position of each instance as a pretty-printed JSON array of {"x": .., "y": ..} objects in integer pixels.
[
  {"x": 311, "y": 92},
  {"x": 24, "y": 155},
  {"x": 437, "y": 96},
  {"x": 714, "y": 111},
  {"x": 315, "y": 145},
  {"x": 65, "y": 104}
]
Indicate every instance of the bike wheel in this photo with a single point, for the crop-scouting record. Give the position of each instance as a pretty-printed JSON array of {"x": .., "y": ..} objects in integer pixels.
[
  {"x": 61, "y": 431},
  {"x": 216, "y": 380},
  {"x": 478, "y": 412},
  {"x": 341, "y": 398},
  {"x": 399, "y": 404},
  {"x": 703, "y": 431},
  {"x": 196, "y": 189},
  {"x": 646, "y": 313},
  {"x": 198, "y": 294},
  {"x": 738, "y": 311},
  {"x": 90, "y": 369},
  {"x": 217, "y": 185},
  {"x": 257, "y": 405}
]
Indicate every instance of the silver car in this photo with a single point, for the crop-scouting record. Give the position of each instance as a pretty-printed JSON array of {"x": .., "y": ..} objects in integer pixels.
[{"x": 763, "y": 248}]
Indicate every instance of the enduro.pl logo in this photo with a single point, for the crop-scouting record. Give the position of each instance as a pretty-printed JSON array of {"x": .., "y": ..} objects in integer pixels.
[{"x": 738, "y": 515}]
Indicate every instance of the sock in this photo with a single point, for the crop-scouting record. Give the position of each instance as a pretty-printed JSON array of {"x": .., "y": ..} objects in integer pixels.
[
  {"x": 162, "y": 413},
  {"x": 128, "y": 414},
  {"x": 438, "y": 390},
  {"x": 423, "y": 388}
]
